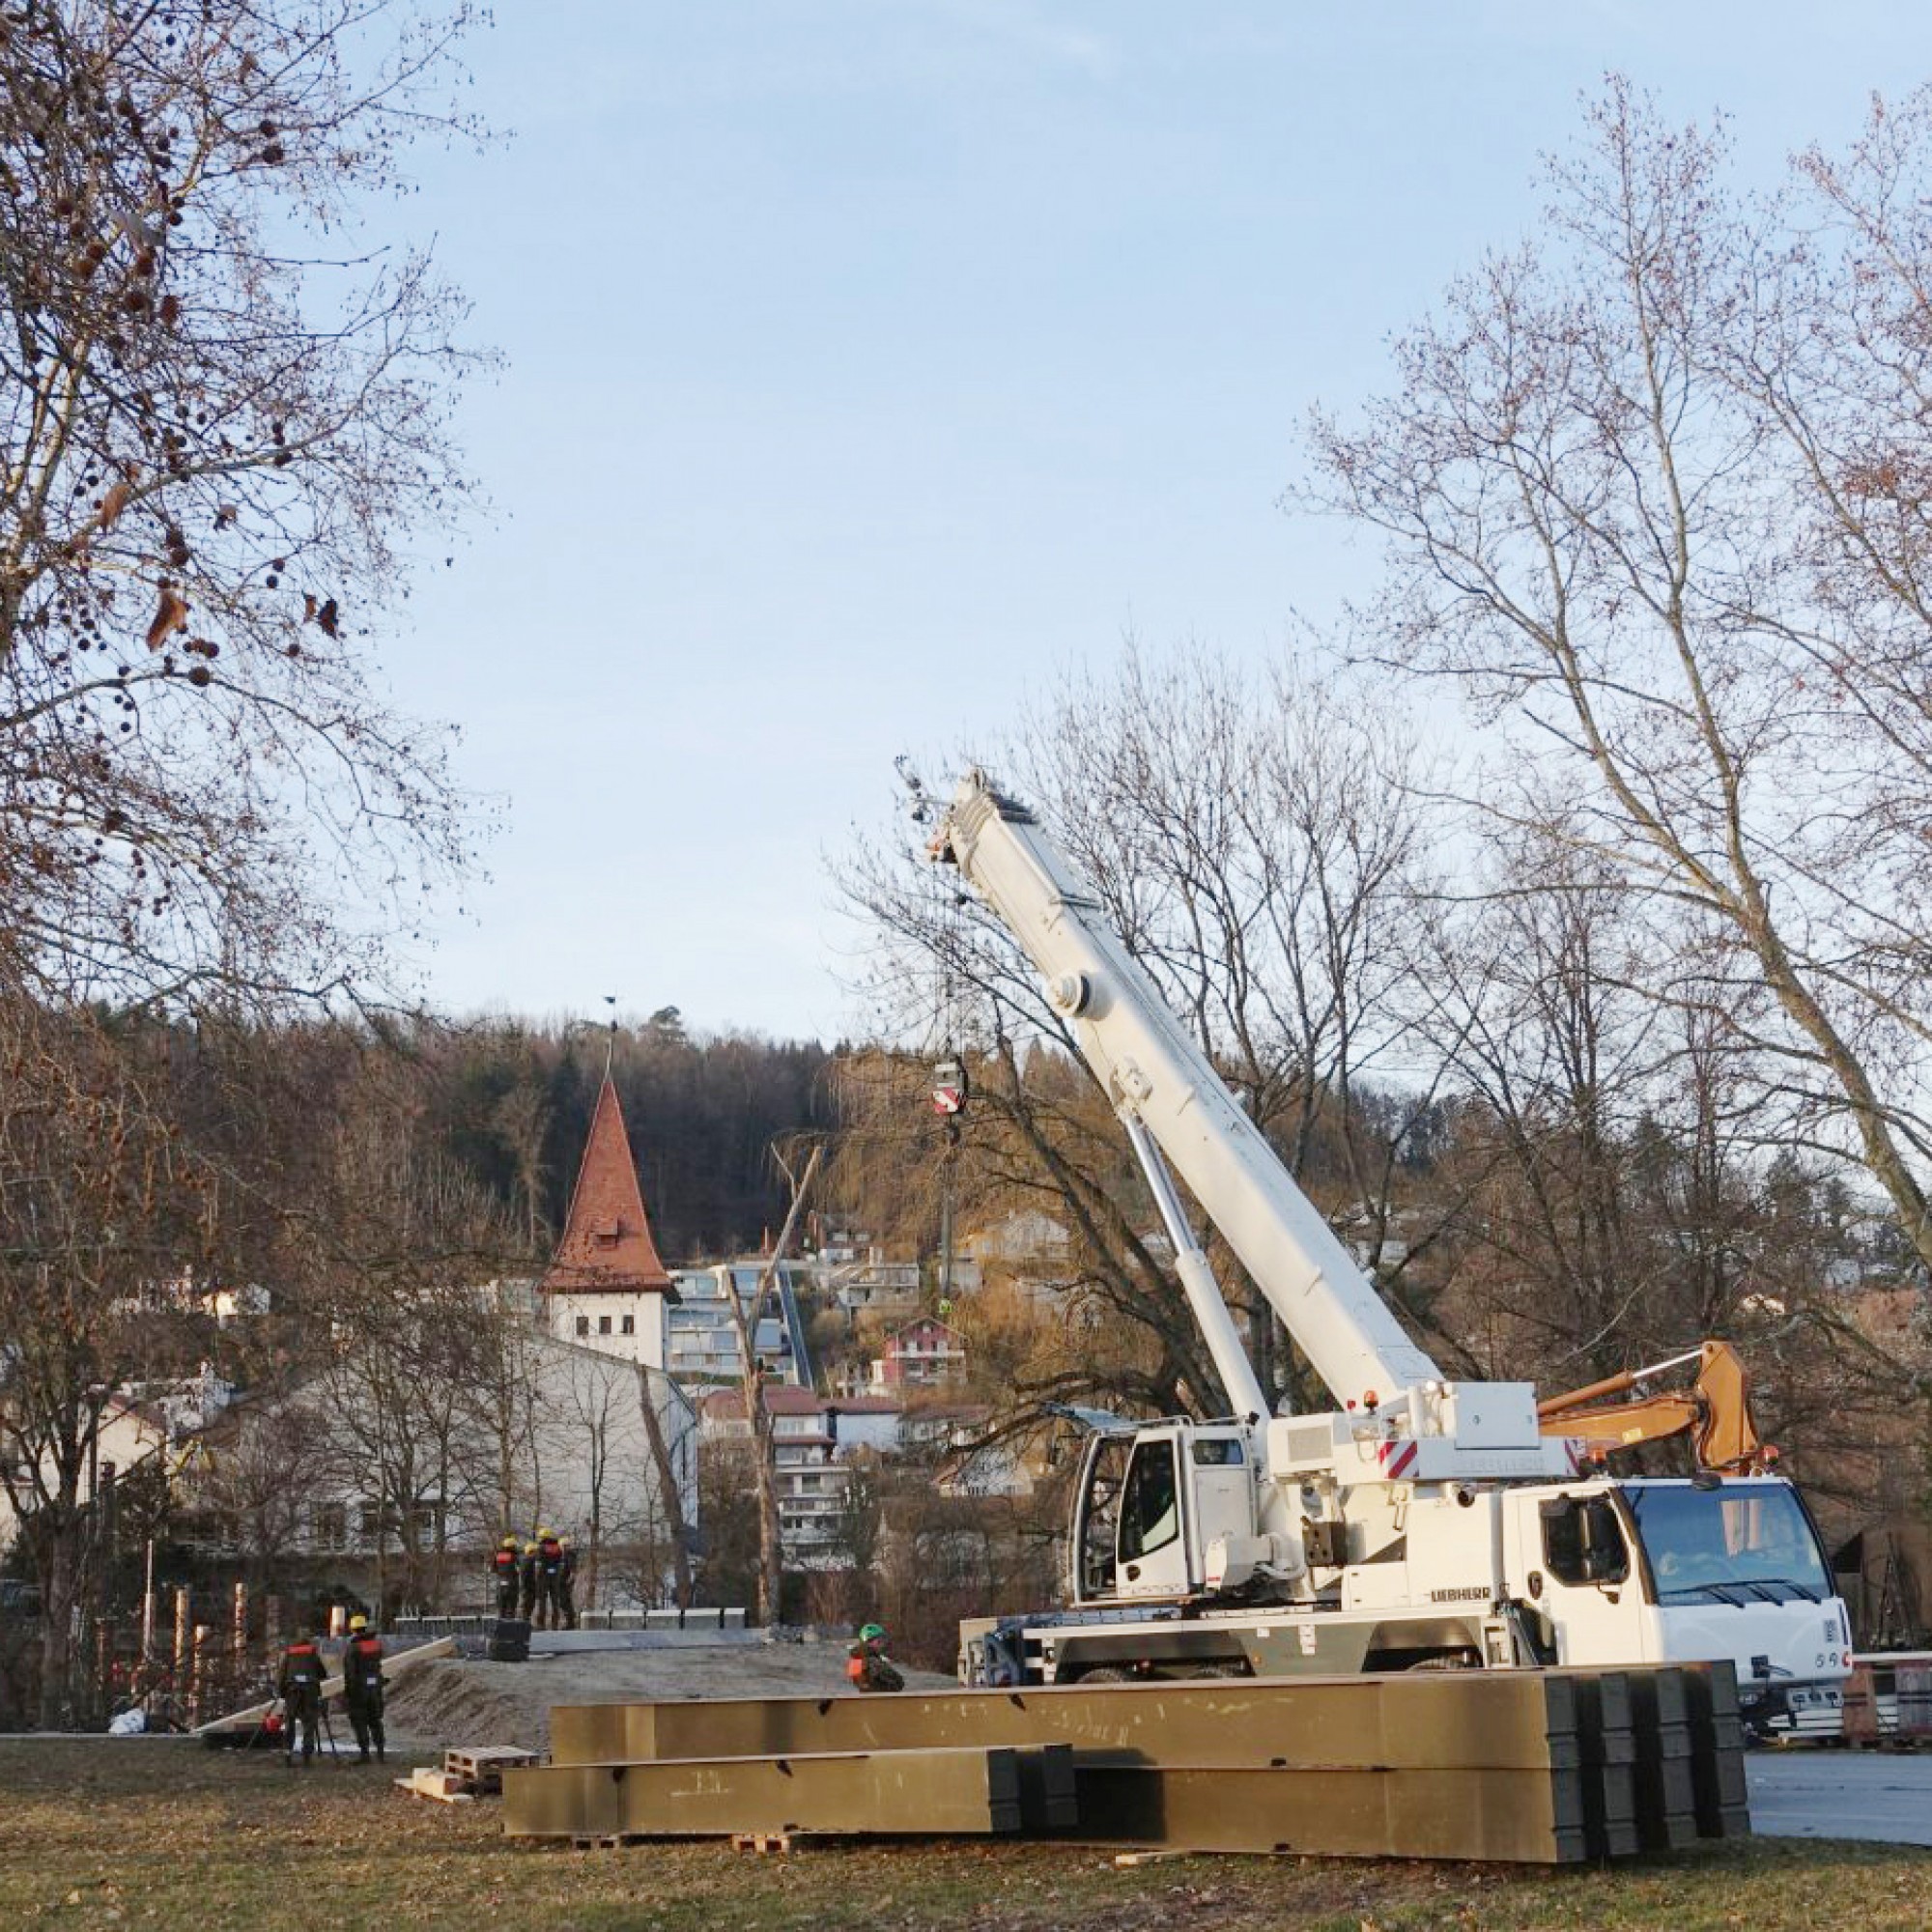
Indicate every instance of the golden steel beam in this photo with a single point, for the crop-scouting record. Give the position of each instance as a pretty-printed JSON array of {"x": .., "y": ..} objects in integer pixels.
[
  {"x": 1518, "y": 1816},
  {"x": 1545, "y": 1765},
  {"x": 1717, "y": 1756},
  {"x": 954, "y": 1792},
  {"x": 1490, "y": 1721}
]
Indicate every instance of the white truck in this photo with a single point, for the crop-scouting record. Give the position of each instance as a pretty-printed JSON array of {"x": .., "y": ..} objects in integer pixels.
[{"x": 1423, "y": 1524}]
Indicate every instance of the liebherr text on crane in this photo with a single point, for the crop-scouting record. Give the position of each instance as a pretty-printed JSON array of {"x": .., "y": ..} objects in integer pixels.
[{"x": 1425, "y": 1522}]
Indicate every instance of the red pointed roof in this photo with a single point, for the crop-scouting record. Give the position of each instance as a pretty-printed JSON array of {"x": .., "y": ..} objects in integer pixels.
[{"x": 607, "y": 1241}]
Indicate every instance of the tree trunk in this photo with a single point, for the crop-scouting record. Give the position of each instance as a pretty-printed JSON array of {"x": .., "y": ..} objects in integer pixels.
[
  {"x": 771, "y": 1526},
  {"x": 667, "y": 1486},
  {"x": 60, "y": 1584},
  {"x": 771, "y": 1540}
]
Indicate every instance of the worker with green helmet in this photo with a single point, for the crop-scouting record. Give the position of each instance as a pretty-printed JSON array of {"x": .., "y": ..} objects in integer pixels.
[{"x": 867, "y": 1668}]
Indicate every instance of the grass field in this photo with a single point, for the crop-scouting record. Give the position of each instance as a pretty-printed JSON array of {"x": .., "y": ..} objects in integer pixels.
[{"x": 160, "y": 1832}]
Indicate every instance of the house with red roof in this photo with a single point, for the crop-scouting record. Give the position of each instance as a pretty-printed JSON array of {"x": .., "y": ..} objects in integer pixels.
[{"x": 926, "y": 1353}]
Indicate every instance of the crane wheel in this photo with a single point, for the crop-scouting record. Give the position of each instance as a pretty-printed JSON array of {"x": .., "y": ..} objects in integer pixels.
[{"x": 1107, "y": 1673}]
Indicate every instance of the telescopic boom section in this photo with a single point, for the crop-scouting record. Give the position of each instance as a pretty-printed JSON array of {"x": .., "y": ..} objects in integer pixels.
[{"x": 1155, "y": 1075}]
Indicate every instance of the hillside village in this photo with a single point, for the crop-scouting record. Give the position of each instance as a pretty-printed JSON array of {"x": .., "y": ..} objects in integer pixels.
[{"x": 603, "y": 1398}]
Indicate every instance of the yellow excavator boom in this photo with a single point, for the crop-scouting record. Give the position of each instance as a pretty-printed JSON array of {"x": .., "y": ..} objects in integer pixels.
[{"x": 1715, "y": 1411}]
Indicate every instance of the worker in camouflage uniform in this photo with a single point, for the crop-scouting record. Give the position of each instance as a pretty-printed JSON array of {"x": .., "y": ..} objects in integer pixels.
[
  {"x": 527, "y": 1578},
  {"x": 566, "y": 1583},
  {"x": 506, "y": 1573},
  {"x": 299, "y": 1687},
  {"x": 362, "y": 1687},
  {"x": 550, "y": 1566},
  {"x": 867, "y": 1668}
]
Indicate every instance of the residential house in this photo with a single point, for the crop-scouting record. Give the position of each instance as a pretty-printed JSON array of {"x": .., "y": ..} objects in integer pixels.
[
  {"x": 1028, "y": 1252},
  {"x": 701, "y": 1337},
  {"x": 926, "y": 1353},
  {"x": 814, "y": 1440},
  {"x": 131, "y": 1429}
]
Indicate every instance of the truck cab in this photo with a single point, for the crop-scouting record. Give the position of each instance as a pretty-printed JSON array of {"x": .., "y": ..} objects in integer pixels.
[{"x": 1679, "y": 1570}]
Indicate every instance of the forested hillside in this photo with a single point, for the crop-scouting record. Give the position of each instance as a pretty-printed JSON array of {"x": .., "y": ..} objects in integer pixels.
[{"x": 512, "y": 1101}]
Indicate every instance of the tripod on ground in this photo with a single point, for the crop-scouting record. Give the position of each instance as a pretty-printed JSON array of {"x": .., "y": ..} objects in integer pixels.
[{"x": 328, "y": 1731}]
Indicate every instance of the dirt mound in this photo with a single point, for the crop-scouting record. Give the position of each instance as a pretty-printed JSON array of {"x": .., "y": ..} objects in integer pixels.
[{"x": 458, "y": 1701}]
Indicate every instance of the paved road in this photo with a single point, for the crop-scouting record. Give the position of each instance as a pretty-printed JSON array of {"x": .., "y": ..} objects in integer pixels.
[{"x": 1841, "y": 1793}]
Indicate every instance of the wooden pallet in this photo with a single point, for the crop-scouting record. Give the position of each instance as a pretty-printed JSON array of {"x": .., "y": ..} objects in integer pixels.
[
  {"x": 763, "y": 1841},
  {"x": 481, "y": 1767},
  {"x": 437, "y": 1784}
]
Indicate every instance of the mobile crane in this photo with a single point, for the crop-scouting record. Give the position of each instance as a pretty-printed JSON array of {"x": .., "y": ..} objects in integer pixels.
[{"x": 1424, "y": 1522}]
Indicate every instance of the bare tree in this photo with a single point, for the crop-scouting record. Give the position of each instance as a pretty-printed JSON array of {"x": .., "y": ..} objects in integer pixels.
[
  {"x": 405, "y": 1252},
  {"x": 1652, "y": 492},
  {"x": 669, "y": 1491},
  {"x": 758, "y": 1417},
  {"x": 595, "y": 1398},
  {"x": 213, "y": 428},
  {"x": 1252, "y": 842},
  {"x": 100, "y": 1199}
]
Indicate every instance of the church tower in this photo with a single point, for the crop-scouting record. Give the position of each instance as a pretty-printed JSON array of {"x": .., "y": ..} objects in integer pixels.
[{"x": 607, "y": 1288}]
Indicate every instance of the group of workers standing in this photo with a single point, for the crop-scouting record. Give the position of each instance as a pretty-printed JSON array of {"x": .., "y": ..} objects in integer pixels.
[
  {"x": 536, "y": 1581},
  {"x": 301, "y": 1688},
  {"x": 537, "y": 1578}
]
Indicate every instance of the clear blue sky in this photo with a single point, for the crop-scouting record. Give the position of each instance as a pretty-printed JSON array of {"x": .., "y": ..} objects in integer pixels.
[{"x": 869, "y": 362}]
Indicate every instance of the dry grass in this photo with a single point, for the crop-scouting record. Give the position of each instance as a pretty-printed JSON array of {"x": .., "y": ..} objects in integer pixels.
[{"x": 159, "y": 1832}]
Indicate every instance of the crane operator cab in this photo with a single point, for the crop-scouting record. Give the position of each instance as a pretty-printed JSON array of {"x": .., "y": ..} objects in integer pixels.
[{"x": 1158, "y": 1508}]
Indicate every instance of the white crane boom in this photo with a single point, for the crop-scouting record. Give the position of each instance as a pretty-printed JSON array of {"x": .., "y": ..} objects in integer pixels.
[
  {"x": 1158, "y": 1077},
  {"x": 1425, "y": 1522}
]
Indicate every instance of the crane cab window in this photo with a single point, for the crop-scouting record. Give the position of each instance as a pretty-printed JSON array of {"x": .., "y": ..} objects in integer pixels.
[
  {"x": 1583, "y": 1542},
  {"x": 1101, "y": 1513},
  {"x": 1218, "y": 1452},
  {"x": 1150, "y": 1506}
]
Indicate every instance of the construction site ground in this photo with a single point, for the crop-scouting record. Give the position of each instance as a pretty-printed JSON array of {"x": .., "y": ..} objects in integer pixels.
[
  {"x": 462, "y": 1701},
  {"x": 161, "y": 1831}
]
